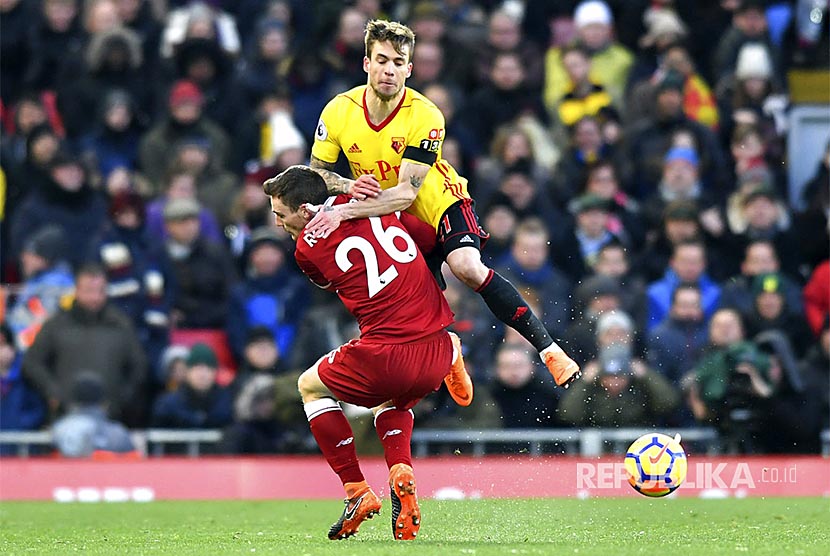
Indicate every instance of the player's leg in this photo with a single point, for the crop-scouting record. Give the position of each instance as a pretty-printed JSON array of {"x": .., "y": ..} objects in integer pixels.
[
  {"x": 394, "y": 429},
  {"x": 335, "y": 438},
  {"x": 460, "y": 235}
]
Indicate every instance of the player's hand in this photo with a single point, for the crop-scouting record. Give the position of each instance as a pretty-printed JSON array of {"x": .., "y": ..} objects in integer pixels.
[
  {"x": 324, "y": 222},
  {"x": 364, "y": 187}
]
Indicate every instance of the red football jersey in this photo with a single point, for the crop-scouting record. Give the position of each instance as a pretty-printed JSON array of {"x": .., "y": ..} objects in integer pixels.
[{"x": 379, "y": 274}]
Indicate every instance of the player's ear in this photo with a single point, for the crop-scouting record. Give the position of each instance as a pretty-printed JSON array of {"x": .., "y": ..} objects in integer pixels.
[
  {"x": 409, "y": 69},
  {"x": 366, "y": 64}
]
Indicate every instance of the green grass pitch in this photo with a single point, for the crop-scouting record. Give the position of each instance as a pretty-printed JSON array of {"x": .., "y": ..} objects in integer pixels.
[{"x": 633, "y": 525}]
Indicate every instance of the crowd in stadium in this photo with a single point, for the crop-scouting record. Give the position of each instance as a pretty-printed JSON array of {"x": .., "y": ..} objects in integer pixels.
[{"x": 627, "y": 158}]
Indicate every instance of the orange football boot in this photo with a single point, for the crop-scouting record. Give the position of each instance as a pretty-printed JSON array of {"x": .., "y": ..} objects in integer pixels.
[
  {"x": 406, "y": 514},
  {"x": 563, "y": 368},
  {"x": 458, "y": 380},
  {"x": 361, "y": 504}
]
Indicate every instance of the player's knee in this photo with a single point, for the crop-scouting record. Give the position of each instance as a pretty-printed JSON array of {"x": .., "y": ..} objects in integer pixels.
[
  {"x": 305, "y": 384},
  {"x": 469, "y": 270}
]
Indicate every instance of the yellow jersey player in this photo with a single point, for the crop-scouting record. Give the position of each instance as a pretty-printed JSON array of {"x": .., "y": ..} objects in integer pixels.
[{"x": 391, "y": 136}]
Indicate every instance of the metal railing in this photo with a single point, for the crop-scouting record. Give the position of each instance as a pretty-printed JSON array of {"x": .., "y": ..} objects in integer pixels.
[
  {"x": 584, "y": 442},
  {"x": 147, "y": 442}
]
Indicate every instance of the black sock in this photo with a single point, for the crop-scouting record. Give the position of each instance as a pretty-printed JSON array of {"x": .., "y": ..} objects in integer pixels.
[{"x": 508, "y": 306}]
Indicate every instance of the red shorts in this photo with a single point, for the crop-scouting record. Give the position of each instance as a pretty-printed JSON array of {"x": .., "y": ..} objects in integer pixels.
[{"x": 369, "y": 374}]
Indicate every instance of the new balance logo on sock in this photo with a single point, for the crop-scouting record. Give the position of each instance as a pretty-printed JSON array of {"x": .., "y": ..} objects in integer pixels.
[
  {"x": 354, "y": 148},
  {"x": 393, "y": 432},
  {"x": 466, "y": 239},
  {"x": 345, "y": 442}
]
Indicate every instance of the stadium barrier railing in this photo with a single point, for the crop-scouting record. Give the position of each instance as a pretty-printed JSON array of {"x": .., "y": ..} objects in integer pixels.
[{"x": 583, "y": 442}]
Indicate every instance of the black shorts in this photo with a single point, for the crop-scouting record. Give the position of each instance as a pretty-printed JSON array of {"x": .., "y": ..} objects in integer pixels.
[{"x": 459, "y": 227}]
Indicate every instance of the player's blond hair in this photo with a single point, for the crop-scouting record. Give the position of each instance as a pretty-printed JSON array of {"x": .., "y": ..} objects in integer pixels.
[{"x": 398, "y": 34}]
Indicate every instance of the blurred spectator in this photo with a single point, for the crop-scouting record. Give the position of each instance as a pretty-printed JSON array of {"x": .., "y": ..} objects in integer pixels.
[
  {"x": 202, "y": 270},
  {"x": 27, "y": 114},
  {"x": 344, "y": 55},
  {"x": 198, "y": 403},
  {"x": 504, "y": 34},
  {"x": 199, "y": 20},
  {"x": 525, "y": 401},
  {"x": 21, "y": 408},
  {"x": 47, "y": 279},
  {"x": 687, "y": 265},
  {"x": 260, "y": 356},
  {"x": 138, "y": 15},
  {"x": 112, "y": 61},
  {"x": 469, "y": 145},
  {"x": 675, "y": 345},
  {"x": 184, "y": 119},
  {"x": 817, "y": 297},
  {"x": 771, "y": 312},
  {"x": 15, "y": 20},
  {"x": 273, "y": 295},
  {"x": 767, "y": 218},
  {"x": 251, "y": 209},
  {"x": 500, "y": 221},
  {"x": 624, "y": 219},
  {"x": 113, "y": 143},
  {"x": 204, "y": 63},
  {"x": 173, "y": 367},
  {"x": 528, "y": 266},
  {"x": 256, "y": 429},
  {"x": 793, "y": 414},
  {"x": 586, "y": 146},
  {"x": 617, "y": 389},
  {"x": 67, "y": 201},
  {"x": 595, "y": 296},
  {"x": 527, "y": 198},
  {"x": 815, "y": 369},
  {"x": 583, "y": 97},
  {"x": 650, "y": 139},
  {"x": 86, "y": 431},
  {"x": 576, "y": 250},
  {"x": 503, "y": 98},
  {"x": 326, "y": 325},
  {"x": 137, "y": 282},
  {"x": 265, "y": 68},
  {"x": 215, "y": 186},
  {"x": 664, "y": 29},
  {"x": 55, "y": 41},
  {"x": 90, "y": 335},
  {"x": 179, "y": 183},
  {"x": 613, "y": 261},
  {"x": 749, "y": 26},
  {"x": 812, "y": 224},
  {"x": 753, "y": 97},
  {"x": 610, "y": 61},
  {"x": 760, "y": 257}
]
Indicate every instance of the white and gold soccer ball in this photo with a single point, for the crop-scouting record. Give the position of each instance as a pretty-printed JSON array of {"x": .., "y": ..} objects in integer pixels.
[{"x": 655, "y": 464}]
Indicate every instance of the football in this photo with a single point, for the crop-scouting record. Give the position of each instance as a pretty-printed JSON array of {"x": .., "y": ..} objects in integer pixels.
[{"x": 655, "y": 464}]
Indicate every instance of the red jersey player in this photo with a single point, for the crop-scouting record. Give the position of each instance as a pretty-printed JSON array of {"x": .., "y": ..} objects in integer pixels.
[{"x": 404, "y": 350}]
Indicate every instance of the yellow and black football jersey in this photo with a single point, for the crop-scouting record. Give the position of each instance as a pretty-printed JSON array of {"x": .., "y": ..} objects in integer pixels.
[{"x": 378, "y": 149}]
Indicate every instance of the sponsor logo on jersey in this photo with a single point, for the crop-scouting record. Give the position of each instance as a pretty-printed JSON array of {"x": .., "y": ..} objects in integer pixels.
[
  {"x": 398, "y": 144},
  {"x": 345, "y": 442},
  {"x": 354, "y": 149},
  {"x": 436, "y": 133},
  {"x": 321, "y": 133},
  {"x": 466, "y": 239}
]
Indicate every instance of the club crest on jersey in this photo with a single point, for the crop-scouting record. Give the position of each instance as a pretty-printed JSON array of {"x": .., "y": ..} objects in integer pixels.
[
  {"x": 398, "y": 144},
  {"x": 321, "y": 133}
]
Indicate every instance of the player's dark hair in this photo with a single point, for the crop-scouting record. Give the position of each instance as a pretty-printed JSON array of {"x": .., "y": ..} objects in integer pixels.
[
  {"x": 398, "y": 34},
  {"x": 297, "y": 185}
]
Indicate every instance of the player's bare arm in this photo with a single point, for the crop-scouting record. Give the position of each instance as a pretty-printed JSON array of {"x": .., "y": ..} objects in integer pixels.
[{"x": 397, "y": 198}]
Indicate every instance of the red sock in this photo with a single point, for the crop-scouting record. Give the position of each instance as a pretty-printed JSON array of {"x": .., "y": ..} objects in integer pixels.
[
  {"x": 394, "y": 428},
  {"x": 334, "y": 436}
]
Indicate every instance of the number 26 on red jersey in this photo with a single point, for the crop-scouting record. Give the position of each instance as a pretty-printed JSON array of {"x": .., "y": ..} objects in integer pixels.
[{"x": 376, "y": 279}]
